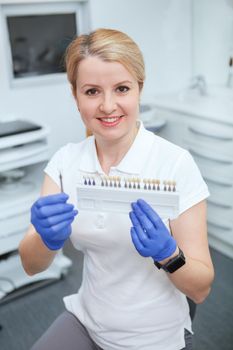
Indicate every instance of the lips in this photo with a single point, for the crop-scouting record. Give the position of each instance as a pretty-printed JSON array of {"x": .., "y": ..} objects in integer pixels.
[{"x": 110, "y": 121}]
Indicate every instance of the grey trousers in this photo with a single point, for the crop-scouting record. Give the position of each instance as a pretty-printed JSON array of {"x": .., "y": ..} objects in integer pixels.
[{"x": 67, "y": 333}]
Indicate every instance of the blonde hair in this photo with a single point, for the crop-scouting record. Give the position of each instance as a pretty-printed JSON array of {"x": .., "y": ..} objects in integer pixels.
[{"x": 109, "y": 45}]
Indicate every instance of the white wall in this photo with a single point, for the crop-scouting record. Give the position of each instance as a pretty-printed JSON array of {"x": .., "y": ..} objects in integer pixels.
[
  {"x": 161, "y": 28},
  {"x": 213, "y": 39},
  {"x": 163, "y": 31}
]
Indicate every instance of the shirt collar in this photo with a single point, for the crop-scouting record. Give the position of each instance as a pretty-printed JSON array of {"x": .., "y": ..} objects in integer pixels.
[{"x": 132, "y": 163}]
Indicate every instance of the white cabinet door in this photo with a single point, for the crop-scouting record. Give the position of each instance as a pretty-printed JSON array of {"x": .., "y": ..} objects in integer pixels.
[{"x": 211, "y": 144}]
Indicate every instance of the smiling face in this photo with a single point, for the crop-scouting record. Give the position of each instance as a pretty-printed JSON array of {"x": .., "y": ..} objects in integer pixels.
[{"x": 107, "y": 96}]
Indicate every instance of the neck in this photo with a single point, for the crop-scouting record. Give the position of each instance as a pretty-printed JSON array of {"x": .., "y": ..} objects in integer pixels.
[{"x": 110, "y": 153}]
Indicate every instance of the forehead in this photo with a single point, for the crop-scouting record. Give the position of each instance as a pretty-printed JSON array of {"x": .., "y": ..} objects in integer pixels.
[{"x": 98, "y": 70}]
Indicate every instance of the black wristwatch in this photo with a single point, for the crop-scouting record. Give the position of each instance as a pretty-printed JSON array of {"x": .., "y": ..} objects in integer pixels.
[{"x": 173, "y": 264}]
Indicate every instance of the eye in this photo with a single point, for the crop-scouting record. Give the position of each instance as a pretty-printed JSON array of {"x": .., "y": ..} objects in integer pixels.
[
  {"x": 123, "y": 88},
  {"x": 91, "y": 92}
]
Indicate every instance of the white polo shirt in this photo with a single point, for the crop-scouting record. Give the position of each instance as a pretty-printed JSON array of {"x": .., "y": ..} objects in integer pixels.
[{"x": 124, "y": 301}]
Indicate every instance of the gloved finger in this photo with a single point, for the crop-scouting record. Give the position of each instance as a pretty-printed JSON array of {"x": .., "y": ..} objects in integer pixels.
[
  {"x": 51, "y": 199},
  {"x": 56, "y": 219},
  {"x": 62, "y": 231},
  {"x": 150, "y": 213},
  {"x": 59, "y": 232},
  {"x": 142, "y": 236},
  {"x": 134, "y": 219},
  {"x": 137, "y": 243},
  {"x": 145, "y": 222},
  {"x": 55, "y": 209}
]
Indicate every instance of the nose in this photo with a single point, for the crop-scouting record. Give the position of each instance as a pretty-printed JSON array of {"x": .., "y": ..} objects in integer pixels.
[{"x": 108, "y": 104}]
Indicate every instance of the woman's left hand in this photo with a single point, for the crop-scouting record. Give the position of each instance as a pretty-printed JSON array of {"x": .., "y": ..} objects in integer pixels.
[{"x": 149, "y": 234}]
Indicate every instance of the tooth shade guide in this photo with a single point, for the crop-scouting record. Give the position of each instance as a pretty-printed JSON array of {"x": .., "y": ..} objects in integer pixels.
[
  {"x": 173, "y": 186},
  {"x": 117, "y": 197},
  {"x": 144, "y": 181},
  {"x": 149, "y": 186},
  {"x": 165, "y": 185},
  {"x": 169, "y": 185},
  {"x": 132, "y": 183}
]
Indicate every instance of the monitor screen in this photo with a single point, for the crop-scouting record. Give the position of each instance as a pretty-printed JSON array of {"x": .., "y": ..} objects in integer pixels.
[{"x": 38, "y": 42}]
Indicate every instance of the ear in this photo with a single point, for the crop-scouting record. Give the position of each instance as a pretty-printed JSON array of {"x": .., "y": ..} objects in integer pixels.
[{"x": 140, "y": 94}]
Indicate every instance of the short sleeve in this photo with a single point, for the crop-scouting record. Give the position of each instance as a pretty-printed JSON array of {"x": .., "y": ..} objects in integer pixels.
[
  {"x": 54, "y": 166},
  {"x": 190, "y": 183}
]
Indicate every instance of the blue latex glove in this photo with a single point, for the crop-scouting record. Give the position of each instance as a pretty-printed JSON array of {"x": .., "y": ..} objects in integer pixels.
[
  {"x": 149, "y": 234},
  {"x": 52, "y": 217}
]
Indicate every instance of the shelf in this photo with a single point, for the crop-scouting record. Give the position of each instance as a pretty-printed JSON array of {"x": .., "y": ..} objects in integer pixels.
[
  {"x": 19, "y": 163},
  {"x": 16, "y": 200}
]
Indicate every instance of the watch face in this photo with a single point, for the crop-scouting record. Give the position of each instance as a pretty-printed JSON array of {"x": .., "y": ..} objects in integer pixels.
[{"x": 175, "y": 263}]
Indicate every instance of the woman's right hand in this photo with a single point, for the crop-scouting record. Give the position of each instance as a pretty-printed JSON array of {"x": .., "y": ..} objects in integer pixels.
[{"x": 52, "y": 217}]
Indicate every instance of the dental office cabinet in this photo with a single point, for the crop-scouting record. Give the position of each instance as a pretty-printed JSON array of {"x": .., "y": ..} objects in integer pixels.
[
  {"x": 23, "y": 153},
  {"x": 204, "y": 126}
]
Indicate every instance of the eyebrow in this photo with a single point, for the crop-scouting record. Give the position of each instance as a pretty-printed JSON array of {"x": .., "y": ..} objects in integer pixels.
[{"x": 119, "y": 83}]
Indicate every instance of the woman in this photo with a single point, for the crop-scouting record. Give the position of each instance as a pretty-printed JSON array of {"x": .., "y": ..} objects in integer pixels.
[{"x": 125, "y": 301}]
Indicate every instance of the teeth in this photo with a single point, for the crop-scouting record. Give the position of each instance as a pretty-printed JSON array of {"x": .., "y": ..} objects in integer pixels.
[{"x": 110, "y": 120}]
